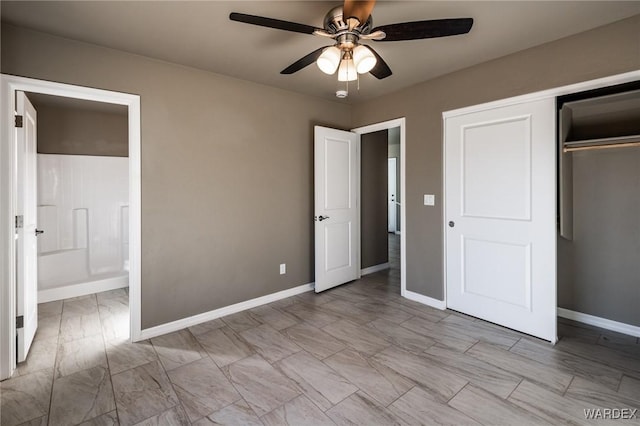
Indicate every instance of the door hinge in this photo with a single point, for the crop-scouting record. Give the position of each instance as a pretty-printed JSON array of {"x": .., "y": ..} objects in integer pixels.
[
  {"x": 19, "y": 322},
  {"x": 19, "y": 221},
  {"x": 18, "y": 121}
]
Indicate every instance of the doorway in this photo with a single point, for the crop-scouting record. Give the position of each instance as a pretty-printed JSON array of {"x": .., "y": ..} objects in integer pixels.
[
  {"x": 12, "y": 85},
  {"x": 390, "y": 138}
]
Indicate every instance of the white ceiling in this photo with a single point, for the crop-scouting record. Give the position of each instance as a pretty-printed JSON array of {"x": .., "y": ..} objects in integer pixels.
[{"x": 199, "y": 34}]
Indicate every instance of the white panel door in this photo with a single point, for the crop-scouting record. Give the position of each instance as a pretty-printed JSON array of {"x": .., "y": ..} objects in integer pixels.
[
  {"x": 391, "y": 195},
  {"x": 501, "y": 216},
  {"x": 337, "y": 225},
  {"x": 26, "y": 243}
]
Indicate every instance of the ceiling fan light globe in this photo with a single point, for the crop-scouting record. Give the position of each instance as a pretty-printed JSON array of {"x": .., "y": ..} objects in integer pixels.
[
  {"x": 329, "y": 60},
  {"x": 363, "y": 59},
  {"x": 347, "y": 70}
]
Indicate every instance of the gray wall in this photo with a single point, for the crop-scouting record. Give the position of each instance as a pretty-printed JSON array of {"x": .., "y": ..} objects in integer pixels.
[
  {"x": 603, "y": 260},
  {"x": 75, "y": 131},
  {"x": 206, "y": 244},
  {"x": 226, "y": 172},
  {"x": 373, "y": 194},
  {"x": 601, "y": 52}
]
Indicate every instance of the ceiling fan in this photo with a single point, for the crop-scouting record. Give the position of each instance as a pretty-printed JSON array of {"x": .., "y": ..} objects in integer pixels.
[{"x": 348, "y": 25}]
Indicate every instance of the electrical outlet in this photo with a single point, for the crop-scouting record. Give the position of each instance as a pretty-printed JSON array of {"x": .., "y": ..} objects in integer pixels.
[{"x": 283, "y": 268}]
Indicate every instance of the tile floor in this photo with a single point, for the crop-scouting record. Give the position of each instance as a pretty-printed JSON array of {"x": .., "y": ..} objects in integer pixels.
[{"x": 357, "y": 354}]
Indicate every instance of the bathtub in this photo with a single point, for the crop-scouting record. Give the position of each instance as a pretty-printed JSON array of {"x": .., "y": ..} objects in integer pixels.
[
  {"x": 83, "y": 209},
  {"x": 65, "y": 273}
]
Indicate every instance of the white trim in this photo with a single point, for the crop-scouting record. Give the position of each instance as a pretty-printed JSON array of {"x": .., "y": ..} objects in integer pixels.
[
  {"x": 425, "y": 300},
  {"x": 444, "y": 211},
  {"x": 385, "y": 125},
  {"x": 359, "y": 200},
  {"x": 375, "y": 268},
  {"x": 549, "y": 93},
  {"x": 607, "y": 324},
  {"x": 84, "y": 288},
  {"x": 180, "y": 324},
  {"x": 8, "y": 86}
]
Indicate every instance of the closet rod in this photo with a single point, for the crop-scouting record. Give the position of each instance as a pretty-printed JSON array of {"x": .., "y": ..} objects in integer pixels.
[
  {"x": 590, "y": 147},
  {"x": 605, "y": 143}
]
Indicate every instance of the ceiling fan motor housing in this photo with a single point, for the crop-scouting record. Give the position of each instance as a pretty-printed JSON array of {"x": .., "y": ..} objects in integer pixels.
[{"x": 334, "y": 23}]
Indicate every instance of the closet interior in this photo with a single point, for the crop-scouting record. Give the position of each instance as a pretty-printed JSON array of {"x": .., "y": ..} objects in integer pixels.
[{"x": 599, "y": 203}]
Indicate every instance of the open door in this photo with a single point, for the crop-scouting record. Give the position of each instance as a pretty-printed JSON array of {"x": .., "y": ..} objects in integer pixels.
[
  {"x": 26, "y": 220},
  {"x": 501, "y": 216},
  {"x": 337, "y": 217}
]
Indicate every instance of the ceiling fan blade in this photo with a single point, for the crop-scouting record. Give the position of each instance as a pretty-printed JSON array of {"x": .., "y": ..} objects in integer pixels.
[
  {"x": 359, "y": 9},
  {"x": 303, "y": 62},
  {"x": 273, "y": 23},
  {"x": 381, "y": 69},
  {"x": 425, "y": 29}
]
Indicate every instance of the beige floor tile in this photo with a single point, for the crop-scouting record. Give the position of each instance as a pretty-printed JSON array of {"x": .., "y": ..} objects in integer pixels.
[
  {"x": 80, "y": 354},
  {"x": 381, "y": 383},
  {"x": 359, "y": 409},
  {"x": 25, "y": 398},
  {"x": 81, "y": 396},
  {"x": 268, "y": 342},
  {"x": 202, "y": 388},
  {"x": 261, "y": 385},
  {"x": 441, "y": 382},
  {"x": 142, "y": 392},
  {"x": 322, "y": 385},
  {"x": 489, "y": 409},
  {"x": 313, "y": 340},
  {"x": 123, "y": 355},
  {"x": 224, "y": 346},
  {"x": 177, "y": 348},
  {"x": 235, "y": 414},
  {"x": 298, "y": 411},
  {"x": 417, "y": 405},
  {"x": 356, "y": 337}
]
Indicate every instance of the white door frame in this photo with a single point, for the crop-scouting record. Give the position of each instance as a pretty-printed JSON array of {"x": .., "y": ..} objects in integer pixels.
[
  {"x": 554, "y": 92},
  {"x": 386, "y": 125},
  {"x": 8, "y": 86},
  {"x": 394, "y": 208}
]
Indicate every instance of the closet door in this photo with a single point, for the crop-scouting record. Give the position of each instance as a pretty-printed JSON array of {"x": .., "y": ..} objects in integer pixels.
[{"x": 500, "y": 216}]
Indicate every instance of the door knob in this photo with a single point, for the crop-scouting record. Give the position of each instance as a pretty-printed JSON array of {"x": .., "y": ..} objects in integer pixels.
[
  {"x": 38, "y": 232},
  {"x": 451, "y": 224},
  {"x": 321, "y": 218}
]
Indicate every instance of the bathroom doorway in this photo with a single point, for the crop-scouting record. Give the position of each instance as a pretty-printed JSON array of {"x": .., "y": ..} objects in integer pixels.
[
  {"x": 103, "y": 269},
  {"x": 82, "y": 196}
]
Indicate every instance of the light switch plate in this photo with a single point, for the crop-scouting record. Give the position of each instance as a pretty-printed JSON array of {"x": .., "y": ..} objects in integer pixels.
[
  {"x": 429, "y": 200},
  {"x": 283, "y": 268}
]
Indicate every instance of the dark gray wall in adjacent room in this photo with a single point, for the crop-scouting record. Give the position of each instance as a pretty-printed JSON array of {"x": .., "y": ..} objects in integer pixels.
[
  {"x": 373, "y": 184},
  {"x": 599, "y": 271},
  {"x": 63, "y": 130}
]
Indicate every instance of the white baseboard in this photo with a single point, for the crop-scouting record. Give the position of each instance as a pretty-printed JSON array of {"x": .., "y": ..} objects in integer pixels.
[
  {"x": 374, "y": 268},
  {"x": 81, "y": 289},
  {"x": 607, "y": 324},
  {"x": 425, "y": 300},
  {"x": 180, "y": 324}
]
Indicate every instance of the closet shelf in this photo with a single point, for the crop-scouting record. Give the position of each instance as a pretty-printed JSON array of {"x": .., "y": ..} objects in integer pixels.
[{"x": 602, "y": 143}]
